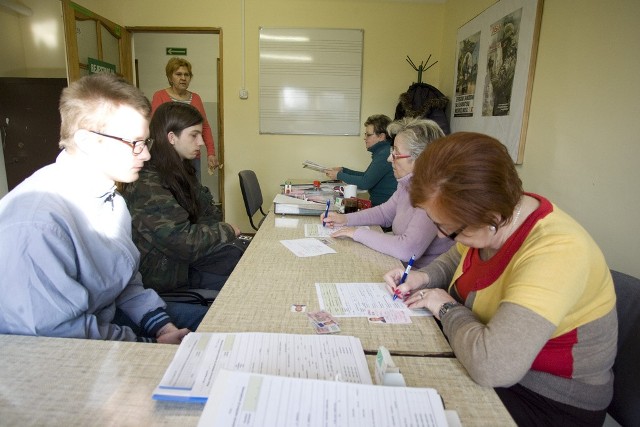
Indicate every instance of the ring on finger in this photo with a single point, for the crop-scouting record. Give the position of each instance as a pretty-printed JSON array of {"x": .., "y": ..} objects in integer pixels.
[{"x": 421, "y": 293}]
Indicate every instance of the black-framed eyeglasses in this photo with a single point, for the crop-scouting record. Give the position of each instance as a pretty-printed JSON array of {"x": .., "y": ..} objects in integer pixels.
[
  {"x": 136, "y": 146},
  {"x": 451, "y": 236},
  {"x": 396, "y": 156}
]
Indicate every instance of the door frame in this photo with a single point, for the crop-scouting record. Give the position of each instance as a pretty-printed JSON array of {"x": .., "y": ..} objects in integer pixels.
[
  {"x": 72, "y": 12},
  {"x": 220, "y": 117}
]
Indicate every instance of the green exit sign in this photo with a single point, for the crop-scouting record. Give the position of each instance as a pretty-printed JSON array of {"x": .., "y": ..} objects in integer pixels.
[{"x": 176, "y": 50}]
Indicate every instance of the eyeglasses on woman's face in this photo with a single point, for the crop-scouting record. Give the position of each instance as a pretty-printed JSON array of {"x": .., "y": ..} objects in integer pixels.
[
  {"x": 448, "y": 235},
  {"x": 136, "y": 146},
  {"x": 444, "y": 232},
  {"x": 396, "y": 156}
]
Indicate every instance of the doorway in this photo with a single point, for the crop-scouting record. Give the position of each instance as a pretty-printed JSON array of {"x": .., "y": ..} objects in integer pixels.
[{"x": 152, "y": 47}]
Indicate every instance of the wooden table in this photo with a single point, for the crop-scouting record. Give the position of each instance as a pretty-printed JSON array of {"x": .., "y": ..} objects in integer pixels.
[
  {"x": 475, "y": 405},
  {"x": 77, "y": 382},
  {"x": 69, "y": 382},
  {"x": 269, "y": 279}
]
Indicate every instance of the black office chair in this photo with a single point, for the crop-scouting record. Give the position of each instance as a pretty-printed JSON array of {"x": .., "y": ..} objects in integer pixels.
[
  {"x": 252, "y": 195},
  {"x": 190, "y": 296},
  {"x": 625, "y": 406}
]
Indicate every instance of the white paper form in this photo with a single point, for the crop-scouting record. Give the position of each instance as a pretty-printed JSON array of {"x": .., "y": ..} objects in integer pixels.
[
  {"x": 281, "y": 222},
  {"x": 356, "y": 299},
  {"x": 201, "y": 355},
  {"x": 307, "y": 247},
  {"x": 317, "y": 230},
  {"x": 246, "y": 399}
]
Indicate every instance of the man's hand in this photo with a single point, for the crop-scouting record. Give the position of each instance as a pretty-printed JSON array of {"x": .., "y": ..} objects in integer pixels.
[{"x": 170, "y": 334}]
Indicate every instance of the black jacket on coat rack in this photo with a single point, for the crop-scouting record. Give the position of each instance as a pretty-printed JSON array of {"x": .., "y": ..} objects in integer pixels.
[{"x": 425, "y": 101}]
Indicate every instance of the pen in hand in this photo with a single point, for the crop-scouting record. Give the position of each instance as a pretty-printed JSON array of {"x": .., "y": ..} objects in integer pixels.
[
  {"x": 326, "y": 213},
  {"x": 404, "y": 276}
]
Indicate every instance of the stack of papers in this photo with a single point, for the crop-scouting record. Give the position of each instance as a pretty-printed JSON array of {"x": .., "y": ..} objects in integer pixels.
[
  {"x": 283, "y": 205},
  {"x": 201, "y": 356}
]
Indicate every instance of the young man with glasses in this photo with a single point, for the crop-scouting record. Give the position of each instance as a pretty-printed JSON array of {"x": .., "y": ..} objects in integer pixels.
[
  {"x": 378, "y": 178},
  {"x": 69, "y": 266}
]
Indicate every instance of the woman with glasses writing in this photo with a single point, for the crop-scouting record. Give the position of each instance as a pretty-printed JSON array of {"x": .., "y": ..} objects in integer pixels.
[
  {"x": 413, "y": 233},
  {"x": 378, "y": 178},
  {"x": 179, "y": 75},
  {"x": 525, "y": 296},
  {"x": 182, "y": 241}
]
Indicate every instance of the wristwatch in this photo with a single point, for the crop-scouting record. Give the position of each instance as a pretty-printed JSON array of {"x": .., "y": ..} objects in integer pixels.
[{"x": 444, "y": 308}]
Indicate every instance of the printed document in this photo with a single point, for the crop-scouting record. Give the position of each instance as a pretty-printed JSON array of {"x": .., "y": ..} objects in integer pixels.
[
  {"x": 201, "y": 355},
  {"x": 317, "y": 230},
  {"x": 307, "y": 247},
  {"x": 246, "y": 399},
  {"x": 356, "y": 299},
  {"x": 315, "y": 166}
]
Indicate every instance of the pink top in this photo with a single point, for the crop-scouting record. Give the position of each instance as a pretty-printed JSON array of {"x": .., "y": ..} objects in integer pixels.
[
  {"x": 413, "y": 232},
  {"x": 161, "y": 96}
]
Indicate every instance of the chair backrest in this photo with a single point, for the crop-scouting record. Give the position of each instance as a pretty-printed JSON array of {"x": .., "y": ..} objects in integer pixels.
[
  {"x": 251, "y": 194},
  {"x": 625, "y": 406}
]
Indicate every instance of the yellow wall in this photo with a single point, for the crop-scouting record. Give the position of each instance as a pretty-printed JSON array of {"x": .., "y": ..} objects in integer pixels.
[
  {"x": 33, "y": 46},
  {"x": 582, "y": 143}
]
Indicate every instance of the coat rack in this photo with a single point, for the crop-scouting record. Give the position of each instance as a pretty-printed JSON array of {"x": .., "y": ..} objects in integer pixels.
[{"x": 420, "y": 68}]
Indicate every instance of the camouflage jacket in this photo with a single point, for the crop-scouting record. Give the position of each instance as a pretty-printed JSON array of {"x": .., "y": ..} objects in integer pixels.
[{"x": 167, "y": 241}]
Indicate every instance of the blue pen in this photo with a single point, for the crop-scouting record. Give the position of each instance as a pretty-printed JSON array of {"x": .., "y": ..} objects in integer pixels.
[
  {"x": 404, "y": 275},
  {"x": 326, "y": 213}
]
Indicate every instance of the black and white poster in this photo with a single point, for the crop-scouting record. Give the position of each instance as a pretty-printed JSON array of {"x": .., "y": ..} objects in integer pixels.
[{"x": 495, "y": 64}]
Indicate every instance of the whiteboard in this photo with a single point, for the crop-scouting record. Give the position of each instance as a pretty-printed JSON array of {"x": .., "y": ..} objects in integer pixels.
[{"x": 310, "y": 81}]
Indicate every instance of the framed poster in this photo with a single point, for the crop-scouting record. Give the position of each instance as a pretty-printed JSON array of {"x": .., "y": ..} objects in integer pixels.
[{"x": 495, "y": 62}]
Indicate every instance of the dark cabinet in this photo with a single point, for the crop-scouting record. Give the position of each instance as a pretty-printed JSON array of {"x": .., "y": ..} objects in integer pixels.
[{"x": 29, "y": 124}]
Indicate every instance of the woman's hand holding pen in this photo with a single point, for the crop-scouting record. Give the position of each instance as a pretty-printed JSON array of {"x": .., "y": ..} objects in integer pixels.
[
  {"x": 414, "y": 281},
  {"x": 333, "y": 219}
]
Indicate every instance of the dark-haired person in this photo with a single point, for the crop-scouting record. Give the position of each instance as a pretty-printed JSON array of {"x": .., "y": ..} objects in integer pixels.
[
  {"x": 176, "y": 226},
  {"x": 378, "y": 178},
  {"x": 69, "y": 267},
  {"x": 179, "y": 74},
  {"x": 525, "y": 297}
]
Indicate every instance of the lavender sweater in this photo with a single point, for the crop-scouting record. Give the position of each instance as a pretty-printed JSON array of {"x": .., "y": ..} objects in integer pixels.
[{"x": 413, "y": 231}]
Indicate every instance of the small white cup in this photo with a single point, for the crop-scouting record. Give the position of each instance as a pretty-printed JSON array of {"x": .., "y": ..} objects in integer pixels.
[{"x": 349, "y": 191}]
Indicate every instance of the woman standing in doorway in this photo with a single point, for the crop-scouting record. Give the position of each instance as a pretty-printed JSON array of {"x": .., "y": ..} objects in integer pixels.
[{"x": 179, "y": 75}]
